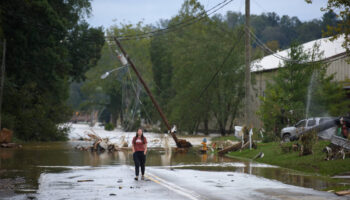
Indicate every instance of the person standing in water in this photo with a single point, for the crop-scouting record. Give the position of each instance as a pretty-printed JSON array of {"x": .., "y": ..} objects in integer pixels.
[{"x": 139, "y": 149}]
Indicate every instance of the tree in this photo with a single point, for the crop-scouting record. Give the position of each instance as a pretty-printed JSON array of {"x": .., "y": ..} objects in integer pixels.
[
  {"x": 162, "y": 69},
  {"x": 342, "y": 10},
  {"x": 198, "y": 52},
  {"x": 49, "y": 45}
]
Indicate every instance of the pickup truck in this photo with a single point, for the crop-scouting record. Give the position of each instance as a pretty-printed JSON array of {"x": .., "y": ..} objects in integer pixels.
[{"x": 292, "y": 132}]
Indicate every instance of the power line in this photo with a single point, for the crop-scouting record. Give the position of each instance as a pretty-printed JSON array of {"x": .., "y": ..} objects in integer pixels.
[
  {"x": 176, "y": 26},
  {"x": 203, "y": 14},
  {"x": 276, "y": 55},
  {"x": 142, "y": 105},
  {"x": 222, "y": 64}
]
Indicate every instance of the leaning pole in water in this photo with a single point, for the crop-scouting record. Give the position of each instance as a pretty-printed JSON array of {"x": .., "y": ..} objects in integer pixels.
[{"x": 179, "y": 142}]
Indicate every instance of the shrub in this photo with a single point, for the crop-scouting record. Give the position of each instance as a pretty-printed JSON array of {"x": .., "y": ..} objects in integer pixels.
[{"x": 109, "y": 127}]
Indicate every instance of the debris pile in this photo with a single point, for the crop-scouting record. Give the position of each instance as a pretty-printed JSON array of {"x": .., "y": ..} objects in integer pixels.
[
  {"x": 6, "y": 139},
  {"x": 245, "y": 143},
  {"x": 101, "y": 144},
  {"x": 334, "y": 152}
]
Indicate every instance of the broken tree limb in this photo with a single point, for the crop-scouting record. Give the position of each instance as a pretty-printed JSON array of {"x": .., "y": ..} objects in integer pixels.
[
  {"x": 343, "y": 193},
  {"x": 234, "y": 147},
  {"x": 246, "y": 145}
]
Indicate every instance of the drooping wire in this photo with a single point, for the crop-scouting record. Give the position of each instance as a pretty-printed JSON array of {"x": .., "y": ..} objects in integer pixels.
[
  {"x": 142, "y": 105},
  {"x": 276, "y": 55},
  {"x": 234, "y": 45},
  {"x": 176, "y": 26}
]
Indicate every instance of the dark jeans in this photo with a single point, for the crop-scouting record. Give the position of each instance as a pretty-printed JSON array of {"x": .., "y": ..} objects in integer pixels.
[{"x": 139, "y": 160}]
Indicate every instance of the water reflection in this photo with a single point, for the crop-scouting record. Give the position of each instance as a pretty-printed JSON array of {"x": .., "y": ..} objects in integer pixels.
[{"x": 23, "y": 167}]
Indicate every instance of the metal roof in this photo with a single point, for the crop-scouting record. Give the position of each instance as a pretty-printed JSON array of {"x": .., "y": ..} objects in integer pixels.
[{"x": 328, "y": 47}]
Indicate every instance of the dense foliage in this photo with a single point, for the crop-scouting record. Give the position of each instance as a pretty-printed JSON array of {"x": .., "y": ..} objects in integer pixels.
[
  {"x": 341, "y": 10},
  {"x": 48, "y": 46}
]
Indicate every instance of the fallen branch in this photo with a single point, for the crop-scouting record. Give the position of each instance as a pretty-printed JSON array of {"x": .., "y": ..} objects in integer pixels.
[
  {"x": 234, "y": 147},
  {"x": 343, "y": 193}
]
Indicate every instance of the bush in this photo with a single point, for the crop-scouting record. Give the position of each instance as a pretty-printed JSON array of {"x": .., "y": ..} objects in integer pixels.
[
  {"x": 109, "y": 127},
  {"x": 307, "y": 142},
  {"x": 269, "y": 137}
]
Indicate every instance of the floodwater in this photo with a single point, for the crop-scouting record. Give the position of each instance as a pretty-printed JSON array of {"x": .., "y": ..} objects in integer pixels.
[{"x": 21, "y": 169}]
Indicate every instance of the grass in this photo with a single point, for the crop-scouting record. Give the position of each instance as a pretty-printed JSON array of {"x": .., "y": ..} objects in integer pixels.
[
  {"x": 224, "y": 138},
  {"x": 313, "y": 164}
]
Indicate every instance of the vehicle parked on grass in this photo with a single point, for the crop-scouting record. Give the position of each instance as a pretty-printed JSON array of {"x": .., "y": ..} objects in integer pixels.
[{"x": 292, "y": 132}]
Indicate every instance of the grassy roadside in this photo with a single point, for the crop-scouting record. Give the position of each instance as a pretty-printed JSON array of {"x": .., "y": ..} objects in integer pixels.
[
  {"x": 224, "y": 138},
  {"x": 314, "y": 164}
]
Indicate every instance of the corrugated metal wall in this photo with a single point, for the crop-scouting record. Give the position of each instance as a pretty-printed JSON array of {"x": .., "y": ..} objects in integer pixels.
[{"x": 340, "y": 68}]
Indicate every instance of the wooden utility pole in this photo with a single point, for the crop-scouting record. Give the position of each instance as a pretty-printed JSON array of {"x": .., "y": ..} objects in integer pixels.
[
  {"x": 247, "y": 116},
  {"x": 179, "y": 143},
  {"x": 2, "y": 76}
]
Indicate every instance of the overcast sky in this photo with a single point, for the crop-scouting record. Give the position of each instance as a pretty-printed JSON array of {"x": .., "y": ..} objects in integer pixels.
[{"x": 108, "y": 12}]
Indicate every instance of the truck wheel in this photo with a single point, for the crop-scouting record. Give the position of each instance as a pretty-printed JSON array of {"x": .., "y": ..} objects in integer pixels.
[{"x": 286, "y": 137}]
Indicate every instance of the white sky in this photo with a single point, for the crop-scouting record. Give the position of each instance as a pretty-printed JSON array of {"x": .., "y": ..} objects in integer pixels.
[{"x": 108, "y": 12}]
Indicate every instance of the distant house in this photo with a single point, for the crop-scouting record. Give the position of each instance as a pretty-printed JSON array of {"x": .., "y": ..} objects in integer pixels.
[{"x": 264, "y": 69}]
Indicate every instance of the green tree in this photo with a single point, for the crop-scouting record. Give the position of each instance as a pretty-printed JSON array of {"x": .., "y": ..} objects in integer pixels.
[
  {"x": 161, "y": 58},
  {"x": 198, "y": 52},
  {"x": 342, "y": 10},
  {"x": 48, "y": 46}
]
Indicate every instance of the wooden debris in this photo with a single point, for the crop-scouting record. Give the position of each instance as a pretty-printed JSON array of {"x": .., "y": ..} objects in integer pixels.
[
  {"x": 234, "y": 147},
  {"x": 94, "y": 137},
  {"x": 343, "y": 193},
  {"x": 85, "y": 180},
  {"x": 11, "y": 145},
  {"x": 246, "y": 145},
  {"x": 6, "y": 135},
  {"x": 181, "y": 150},
  {"x": 99, "y": 145},
  {"x": 334, "y": 152},
  {"x": 183, "y": 144}
]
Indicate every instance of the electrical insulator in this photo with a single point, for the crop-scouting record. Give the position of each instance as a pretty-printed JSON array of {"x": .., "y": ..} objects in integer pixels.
[{"x": 121, "y": 58}]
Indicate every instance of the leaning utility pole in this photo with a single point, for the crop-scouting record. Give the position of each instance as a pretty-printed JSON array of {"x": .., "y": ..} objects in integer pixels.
[
  {"x": 179, "y": 142},
  {"x": 2, "y": 76},
  {"x": 247, "y": 63}
]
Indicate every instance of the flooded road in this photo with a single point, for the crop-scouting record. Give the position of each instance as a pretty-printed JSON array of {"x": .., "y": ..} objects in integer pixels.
[{"x": 41, "y": 170}]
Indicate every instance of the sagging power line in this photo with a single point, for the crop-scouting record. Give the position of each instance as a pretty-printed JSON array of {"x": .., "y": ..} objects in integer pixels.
[
  {"x": 286, "y": 59},
  {"x": 177, "y": 26}
]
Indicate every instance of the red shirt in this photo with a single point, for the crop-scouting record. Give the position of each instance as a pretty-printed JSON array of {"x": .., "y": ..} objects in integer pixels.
[{"x": 138, "y": 144}]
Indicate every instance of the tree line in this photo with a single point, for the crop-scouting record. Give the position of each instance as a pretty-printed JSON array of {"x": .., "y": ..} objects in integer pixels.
[
  {"x": 195, "y": 72},
  {"x": 54, "y": 61}
]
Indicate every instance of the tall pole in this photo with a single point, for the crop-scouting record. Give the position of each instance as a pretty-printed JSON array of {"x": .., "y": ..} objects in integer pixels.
[
  {"x": 247, "y": 63},
  {"x": 2, "y": 76},
  {"x": 165, "y": 120}
]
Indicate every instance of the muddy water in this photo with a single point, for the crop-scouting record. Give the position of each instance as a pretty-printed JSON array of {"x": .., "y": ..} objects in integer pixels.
[{"x": 20, "y": 169}]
